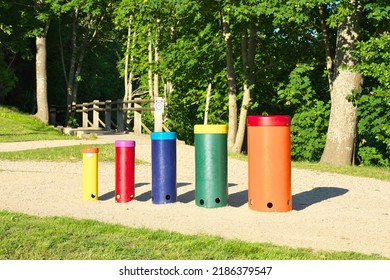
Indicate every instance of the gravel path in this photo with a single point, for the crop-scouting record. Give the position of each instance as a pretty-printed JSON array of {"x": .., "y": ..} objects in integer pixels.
[{"x": 330, "y": 212}]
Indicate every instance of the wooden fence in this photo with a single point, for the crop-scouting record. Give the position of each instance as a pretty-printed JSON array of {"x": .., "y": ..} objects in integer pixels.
[{"x": 99, "y": 115}]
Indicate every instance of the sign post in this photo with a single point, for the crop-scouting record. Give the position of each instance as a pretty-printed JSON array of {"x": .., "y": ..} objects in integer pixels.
[{"x": 158, "y": 113}]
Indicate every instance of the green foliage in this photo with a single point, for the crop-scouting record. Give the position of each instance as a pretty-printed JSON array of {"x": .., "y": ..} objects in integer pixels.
[
  {"x": 374, "y": 55},
  {"x": 310, "y": 115},
  {"x": 374, "y": 103},
  {"x": 374, "y": 129},
  {"x": 378, "y": 12},
  {"x": 7, "y": 77},
  {"x": 72, "y": 122},
  {"x": 308, "y": 131},
  {"x": 299, "y": 90}
]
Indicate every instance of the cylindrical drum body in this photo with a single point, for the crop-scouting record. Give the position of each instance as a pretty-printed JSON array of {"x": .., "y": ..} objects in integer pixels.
[
  {"x": 211, "y": 185},
  {"x": 269, "y": 163},
  {"x": 90, "y": 174},
  {"x": 124, "y": 170},
  {"x": 163, "y": 167}
]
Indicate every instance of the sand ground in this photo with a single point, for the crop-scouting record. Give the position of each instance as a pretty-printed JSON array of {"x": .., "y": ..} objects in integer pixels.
[{"x": 330, "y": 212}]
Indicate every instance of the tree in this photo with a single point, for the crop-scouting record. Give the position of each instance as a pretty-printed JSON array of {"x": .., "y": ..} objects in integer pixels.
[
  {"x": 343, "y": 17},
  {"x": 341, "y": 135},
  {"x": 82, "y": 26},
  {"x": 231, "y": 80},
  {"x": 245, "y": 18},
  {"x": 7, "y": 77},
  {"x": 248, "y": 18},
  {"x": 373, "y": 103}
]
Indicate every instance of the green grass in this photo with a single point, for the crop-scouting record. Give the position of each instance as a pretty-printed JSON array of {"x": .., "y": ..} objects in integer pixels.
[
  {"x": 17, "y": 126},
  {"x": 52, "y": 238},
  {"x": 380, "y": 173},
  {"x": 67, "y": 153}
]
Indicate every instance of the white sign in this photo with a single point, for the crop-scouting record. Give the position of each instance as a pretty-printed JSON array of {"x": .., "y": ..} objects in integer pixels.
[{"x": 159, "y": 104}]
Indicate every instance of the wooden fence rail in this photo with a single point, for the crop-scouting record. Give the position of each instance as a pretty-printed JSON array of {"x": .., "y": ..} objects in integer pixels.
[{"x": 122, "y": 109}]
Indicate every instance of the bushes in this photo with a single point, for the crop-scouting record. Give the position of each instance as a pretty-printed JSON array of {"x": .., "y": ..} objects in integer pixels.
[
  {"x": 308, "y": 132},
  {"x": 373, "y": 141},
  {"x": 310, "y": 115}
]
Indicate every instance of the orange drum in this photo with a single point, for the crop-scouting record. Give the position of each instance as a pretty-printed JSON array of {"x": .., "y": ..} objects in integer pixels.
[{"x": 269, "y": 163}]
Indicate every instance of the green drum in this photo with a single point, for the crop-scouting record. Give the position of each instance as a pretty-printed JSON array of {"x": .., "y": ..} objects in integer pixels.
[{"x": 211, "y": 185}]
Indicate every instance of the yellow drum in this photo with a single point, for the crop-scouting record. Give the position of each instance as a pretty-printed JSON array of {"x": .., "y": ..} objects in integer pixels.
[{"x": 90, "y": 173}]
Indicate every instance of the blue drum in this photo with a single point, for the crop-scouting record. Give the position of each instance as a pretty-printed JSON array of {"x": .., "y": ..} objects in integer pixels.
[{"x": 164, "y": 188}]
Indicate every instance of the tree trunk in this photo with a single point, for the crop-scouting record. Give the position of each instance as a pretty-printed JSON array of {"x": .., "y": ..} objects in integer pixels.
[
  {"x": 79, "y": 63},
  {"x": 232, "y": 129},
  {"x": 41, "y": 79},
  {"x": 248, "y": 47},
  {"x": 340, "y": 140},
  {"x": 242, "y": 123},
  {"x": 207, "y": 107},
  {"x": 150, "y": 59},
  {"x": 329, "y": 60},
  {"x": 41, "y": 71},
  {"x": 251, "y": 58},
  {"x": 127, "y": 75},
  {"x": 156, "y": 60},
  {"x": 72, "y": 69}
]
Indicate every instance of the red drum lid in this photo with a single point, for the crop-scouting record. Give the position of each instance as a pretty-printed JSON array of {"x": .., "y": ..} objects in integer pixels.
[{"x": 276, "y": 120}]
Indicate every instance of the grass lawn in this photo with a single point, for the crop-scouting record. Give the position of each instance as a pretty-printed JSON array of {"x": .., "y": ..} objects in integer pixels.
[
  {"x": 17, "y": 126},
  {"x": 67, "y": 153},
  {"x": 55, "y": 238},
  {"x": 380, "y": 173}
]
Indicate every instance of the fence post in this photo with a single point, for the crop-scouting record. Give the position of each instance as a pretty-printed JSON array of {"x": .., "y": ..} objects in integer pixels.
[
  {"x": 119, "y": 115},
  {"x": 137, "y": 118},
  {"x": 125, "y": 108},
  {"x": 95, "y": 114},
  {"x": 52, "y": 115},
  {"x": 85, "y": 115},
  {"x": 107, "y": 115},
  {"x": 158, "y": 119}
]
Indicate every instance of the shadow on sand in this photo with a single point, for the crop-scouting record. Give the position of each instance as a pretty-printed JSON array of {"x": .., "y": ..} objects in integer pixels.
[
  {"x": 300, "y": 201},
  {"x": 305, "y": 199},
  {"x": 111, "y": 194}
]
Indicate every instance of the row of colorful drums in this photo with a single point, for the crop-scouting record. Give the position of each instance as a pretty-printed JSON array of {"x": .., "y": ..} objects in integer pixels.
[{"x": 269, "y": 166}]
